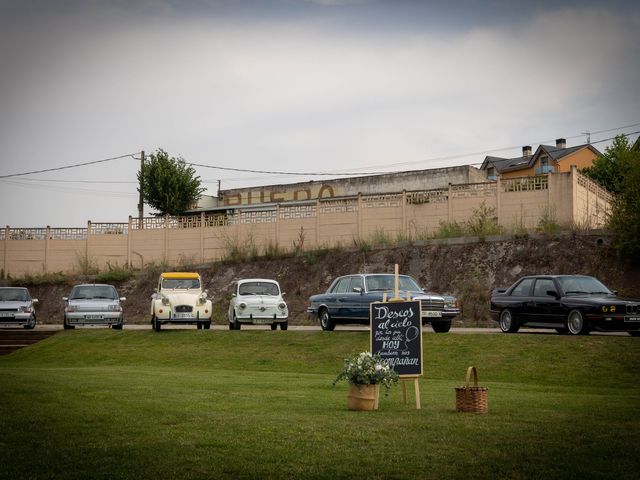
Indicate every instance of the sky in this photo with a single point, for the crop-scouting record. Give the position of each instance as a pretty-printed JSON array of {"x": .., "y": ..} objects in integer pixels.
[{"x": 307, "y": 86}]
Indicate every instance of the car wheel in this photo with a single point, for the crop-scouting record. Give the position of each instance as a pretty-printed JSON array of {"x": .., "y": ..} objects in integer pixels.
[
  {"x": 31, "y": 324},
  {"x": 576, "y": 324},
  {"x": 231, "y": 326},
  {"x": 66, "y": 325},
  {"x": 441, "y": 327},
  {"x": 118, "y": 326},
  {"x": 199, "y": 325},
  {"x": 207, "y": 325},
  {"x": 325, "y": 320},
  {"x": 274, "y": 326},
  {"x": 156, "y": 324},
  {"x": 284, "y": 325},
  {"x": 236, "y": 323},
  {"x": 507, "y": 323}
]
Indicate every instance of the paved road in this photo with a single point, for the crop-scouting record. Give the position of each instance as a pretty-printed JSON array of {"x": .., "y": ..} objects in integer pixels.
[{"x": 345, "y": 328}]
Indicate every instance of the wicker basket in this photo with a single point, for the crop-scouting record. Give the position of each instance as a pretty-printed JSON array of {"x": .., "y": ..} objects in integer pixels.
[{"x": 472, "y": 399}]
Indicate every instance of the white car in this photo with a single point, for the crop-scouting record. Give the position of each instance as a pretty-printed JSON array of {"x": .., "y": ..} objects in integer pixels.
[
  {"x": 17, "y": 307},
  {"x": 180, "y": 299},
  {"x": 258, "y": 301},
  {"x": 93, "y": 304}
]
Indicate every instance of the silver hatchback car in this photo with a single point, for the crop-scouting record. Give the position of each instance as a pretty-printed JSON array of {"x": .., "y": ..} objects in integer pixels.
[
  {"x": 17, "y": 307},
  {"x": 93, "y": 304}
]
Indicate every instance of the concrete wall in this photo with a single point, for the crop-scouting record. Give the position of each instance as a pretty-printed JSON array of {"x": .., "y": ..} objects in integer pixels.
[{"x": 570, "y": 199}]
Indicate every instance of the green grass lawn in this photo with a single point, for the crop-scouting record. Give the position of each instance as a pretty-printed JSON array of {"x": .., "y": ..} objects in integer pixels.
[{"x": 260, "y": 404}]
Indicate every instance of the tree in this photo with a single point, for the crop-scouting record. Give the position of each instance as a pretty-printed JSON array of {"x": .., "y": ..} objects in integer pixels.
[
  {"x": 618, "y": 170},
  {"x": 609, "y": 168},
  {"x": 168, "y": 184},
  {"x": 625, "y": 214}
]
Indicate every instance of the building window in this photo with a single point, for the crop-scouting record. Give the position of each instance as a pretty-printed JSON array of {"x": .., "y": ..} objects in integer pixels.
[
  {"x": 491, "y": 173},
  {"x": 544, "y": 166}
]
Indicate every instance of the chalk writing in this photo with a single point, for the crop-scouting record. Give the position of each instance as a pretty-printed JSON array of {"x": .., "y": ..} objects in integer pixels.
[{"x": 396, "y": 335}]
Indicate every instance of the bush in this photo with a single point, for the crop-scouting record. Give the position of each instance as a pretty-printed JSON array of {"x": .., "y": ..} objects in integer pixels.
[
  {"x": 114, "y": 274},
  {"x": 50, "y": 278}
]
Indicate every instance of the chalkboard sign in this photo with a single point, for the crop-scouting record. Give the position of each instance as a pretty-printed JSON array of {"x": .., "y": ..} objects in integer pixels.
[{"x": 396, "y": 335}]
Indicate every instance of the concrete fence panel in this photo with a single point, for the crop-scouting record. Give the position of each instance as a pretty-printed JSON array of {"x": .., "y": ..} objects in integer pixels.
[{"x": 568, "y": 199}]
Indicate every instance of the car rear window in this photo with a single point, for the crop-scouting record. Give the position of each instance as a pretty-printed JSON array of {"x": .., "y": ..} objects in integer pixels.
[
  {"x": 523, "y": 288},
  {"x": 180, "y": 283},
  {"x": 258, "y": 288},
  {"x": 91, "y": 292},
  {"x": 13, "y": 295}
]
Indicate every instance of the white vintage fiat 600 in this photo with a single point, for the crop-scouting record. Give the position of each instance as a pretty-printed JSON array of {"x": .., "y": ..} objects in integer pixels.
[
  {"x": 180, "y": 299},
  {"x": 258, "y": 301}
]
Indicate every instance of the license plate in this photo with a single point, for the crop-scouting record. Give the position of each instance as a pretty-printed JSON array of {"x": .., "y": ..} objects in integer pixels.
[
  {"x": 632, "y": 319},
  {"x": 94, "y": 317},
  {"x": 183, "y": 315},
  {"x": 261, "y": 321},
  {"x": 432, "y": 313},
  {"x": 6, "y": 314}
]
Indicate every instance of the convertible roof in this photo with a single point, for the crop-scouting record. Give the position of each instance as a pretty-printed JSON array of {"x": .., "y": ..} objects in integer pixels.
[{"x": 180, "y": 275}]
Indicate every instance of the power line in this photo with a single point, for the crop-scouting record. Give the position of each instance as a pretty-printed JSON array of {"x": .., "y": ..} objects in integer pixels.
[
  {"x": 67, "y": 166},
  {"x": 83, "y": 191},
  {"x": 359, "y": 171},
  {"x": 338, "y": 172}
]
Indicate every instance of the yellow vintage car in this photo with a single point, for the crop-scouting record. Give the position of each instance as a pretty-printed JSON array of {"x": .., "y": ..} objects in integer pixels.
[{"x": 180, "y": 299}]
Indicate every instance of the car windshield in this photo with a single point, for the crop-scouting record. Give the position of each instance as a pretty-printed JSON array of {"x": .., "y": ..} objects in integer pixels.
[
  {"x": 582, "y": 285},
  {"x": 385, "y": 283},
  {"x": 180, "y": 283},
  {"x": 13, "y": 295},
  {"x": 258, "y": 288},
  {"x": 91, "y": 292}
]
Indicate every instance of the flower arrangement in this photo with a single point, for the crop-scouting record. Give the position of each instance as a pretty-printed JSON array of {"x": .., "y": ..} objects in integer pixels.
[{"x": 367, "y": 369}]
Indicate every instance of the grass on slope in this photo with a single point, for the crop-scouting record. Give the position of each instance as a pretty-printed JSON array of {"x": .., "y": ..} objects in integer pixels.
[{"x": 259, "y": 404}]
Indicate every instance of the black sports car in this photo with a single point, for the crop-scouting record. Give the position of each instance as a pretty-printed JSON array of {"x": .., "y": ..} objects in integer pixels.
[{"x": 573, "y": 304}]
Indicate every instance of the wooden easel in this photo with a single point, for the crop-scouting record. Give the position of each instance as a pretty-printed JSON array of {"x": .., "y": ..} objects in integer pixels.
[
  {"x": 403, "y": 380},
  {"x": 416, "y": 387}
]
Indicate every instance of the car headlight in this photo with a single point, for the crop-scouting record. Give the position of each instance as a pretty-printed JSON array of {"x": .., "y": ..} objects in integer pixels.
[
  {"x": 613, "y": 309},
  {"x": 242, "y": 305},
  {"x": 165, "y": 301},
  {"x": 71, "y": 308},
  {"x": 282, "y": 306},
  {"x": 115, "y": 308}
]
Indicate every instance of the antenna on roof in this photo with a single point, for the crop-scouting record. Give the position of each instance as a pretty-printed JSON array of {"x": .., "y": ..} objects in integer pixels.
[{"x": 588, "y": 134}]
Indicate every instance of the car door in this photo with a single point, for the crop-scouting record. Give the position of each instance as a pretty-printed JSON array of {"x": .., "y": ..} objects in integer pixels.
[
  {"x": 520, "y": 301},
  {"x": 358, "y": 299},
  {"x": 337, "y": 299},
  {"x": 546, "y": 307}
]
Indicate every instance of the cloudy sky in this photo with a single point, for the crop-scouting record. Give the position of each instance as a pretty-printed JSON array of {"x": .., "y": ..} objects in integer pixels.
[{"x": 294, "y": 85}]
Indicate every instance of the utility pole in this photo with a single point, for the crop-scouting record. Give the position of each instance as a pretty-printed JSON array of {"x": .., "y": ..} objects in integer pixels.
[
  {"x": 141, "y": 187},
  {"x": 588, "y": 134}
]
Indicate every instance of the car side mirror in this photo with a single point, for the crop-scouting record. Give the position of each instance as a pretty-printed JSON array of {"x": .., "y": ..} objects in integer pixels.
[
  {"x": 615, "y": 292},
  {"x": 65, "y": 299},
  {"x": 123, "y": 299},
  {"x": 357, "y": 290},
  {"x": 34, "y": 301},
  {"x": 233, "y": 295},
  {"x": 283, "y": 294},
  {"x": 552, "y": 293}
]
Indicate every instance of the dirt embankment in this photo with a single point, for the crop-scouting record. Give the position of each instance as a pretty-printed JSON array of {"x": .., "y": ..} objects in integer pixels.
[{"x": 466, "y": 268}]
